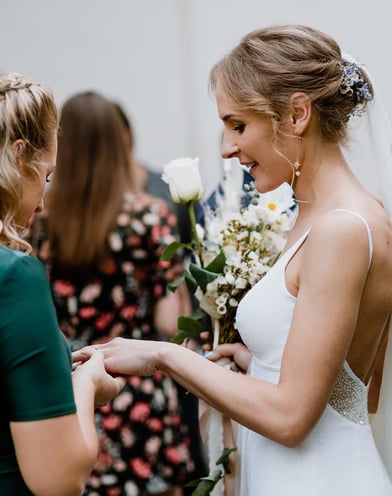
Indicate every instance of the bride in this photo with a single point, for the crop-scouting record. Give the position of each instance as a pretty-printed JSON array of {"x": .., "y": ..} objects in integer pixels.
[{"x": 313, "y": 326}]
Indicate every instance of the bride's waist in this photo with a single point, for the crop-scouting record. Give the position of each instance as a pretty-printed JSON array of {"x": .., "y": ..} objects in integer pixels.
[{"x": 263, "y": 370}]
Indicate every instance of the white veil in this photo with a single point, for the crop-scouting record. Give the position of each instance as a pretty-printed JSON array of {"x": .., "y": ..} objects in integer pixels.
[{"x": 369, "y": 155}]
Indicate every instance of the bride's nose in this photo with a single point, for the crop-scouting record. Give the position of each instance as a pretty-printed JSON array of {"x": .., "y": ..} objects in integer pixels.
[{"x": 229, "y": 148}]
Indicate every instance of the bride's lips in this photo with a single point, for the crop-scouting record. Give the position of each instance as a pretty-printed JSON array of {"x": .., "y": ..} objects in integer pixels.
[{"x": 250, "y": 167}]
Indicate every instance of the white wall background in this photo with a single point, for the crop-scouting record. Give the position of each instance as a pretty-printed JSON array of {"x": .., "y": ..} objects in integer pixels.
[{"x": 153, "y": 56}]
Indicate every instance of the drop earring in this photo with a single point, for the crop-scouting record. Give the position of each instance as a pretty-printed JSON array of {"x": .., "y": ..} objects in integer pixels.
[{"x": 297, "y": 164}]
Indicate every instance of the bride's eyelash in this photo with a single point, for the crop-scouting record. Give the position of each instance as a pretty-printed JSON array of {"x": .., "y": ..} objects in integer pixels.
[
  {"x": 239, "y": 127},
  {"x": 49, "y": 177}
]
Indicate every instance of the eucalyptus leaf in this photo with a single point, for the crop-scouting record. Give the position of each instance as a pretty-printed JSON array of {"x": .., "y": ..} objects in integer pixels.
[
  {"x": 188, "y": 324},
  {"x": 198, "y": 314},
  {"x": 205, "y": 485},
  {"x": 170, "y": 250},
  {"x": 217, "y": 264},
  {"x": 191, "y": 282},
  {"x": 224, "y": 459},
  {"x": 180, "y": 337},
  {"x": 202, "y": 276},
  {"x": 188, "y": 328},
  {"x": 172, "y": 286}
]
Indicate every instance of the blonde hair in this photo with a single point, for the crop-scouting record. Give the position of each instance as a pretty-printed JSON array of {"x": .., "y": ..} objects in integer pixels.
[
  {"x": 270, "y": 64},
  {"x": 28, "y": 113}
]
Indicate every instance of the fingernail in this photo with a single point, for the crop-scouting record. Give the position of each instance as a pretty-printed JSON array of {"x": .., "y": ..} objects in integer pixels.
[{"x": 208, "y": 354}]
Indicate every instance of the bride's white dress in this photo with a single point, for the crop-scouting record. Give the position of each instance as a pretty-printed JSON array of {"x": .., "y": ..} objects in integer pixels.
[{"x": 339, "y": 457}]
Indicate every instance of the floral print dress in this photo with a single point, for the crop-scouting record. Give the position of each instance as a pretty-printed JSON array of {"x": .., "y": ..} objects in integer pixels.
[{"x": 144, "y": 445}]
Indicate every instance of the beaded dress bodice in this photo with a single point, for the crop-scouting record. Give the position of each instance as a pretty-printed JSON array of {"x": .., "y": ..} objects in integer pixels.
[{"x": 349, "y": 397}]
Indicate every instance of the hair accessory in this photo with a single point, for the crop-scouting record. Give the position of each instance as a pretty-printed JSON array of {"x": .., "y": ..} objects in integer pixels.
[{"x": 353, "y": 82}]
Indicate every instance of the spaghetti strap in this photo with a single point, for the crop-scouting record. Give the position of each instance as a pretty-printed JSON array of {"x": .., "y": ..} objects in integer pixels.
[{"x": 369, "y": 231}]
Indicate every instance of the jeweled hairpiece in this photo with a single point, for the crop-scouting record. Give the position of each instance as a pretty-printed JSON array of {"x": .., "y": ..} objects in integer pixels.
[{"x": 353, "y": 83}]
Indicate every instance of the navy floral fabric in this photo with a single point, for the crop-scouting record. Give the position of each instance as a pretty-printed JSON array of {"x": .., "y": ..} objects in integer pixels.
[{"x": 144, "y": 444}]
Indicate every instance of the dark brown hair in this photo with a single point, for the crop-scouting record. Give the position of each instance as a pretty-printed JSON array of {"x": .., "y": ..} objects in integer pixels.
[{"x": 93, "y": 173}]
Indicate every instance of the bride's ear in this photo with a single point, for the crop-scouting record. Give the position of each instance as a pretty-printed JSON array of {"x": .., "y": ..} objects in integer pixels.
[{"x": 300, "y": 112}]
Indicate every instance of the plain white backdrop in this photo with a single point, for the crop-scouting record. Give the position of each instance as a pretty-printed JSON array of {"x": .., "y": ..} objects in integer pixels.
[{"x": 154, "y": 56}]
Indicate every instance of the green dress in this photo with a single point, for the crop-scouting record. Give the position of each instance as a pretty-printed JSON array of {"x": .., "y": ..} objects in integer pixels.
[{"x": 35, "y": 360}]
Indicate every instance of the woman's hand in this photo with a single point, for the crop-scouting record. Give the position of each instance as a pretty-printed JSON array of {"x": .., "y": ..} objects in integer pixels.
[
  {"x": 93, "y": 368},
  {"x": 236, "y": 352},
  {"x": 125, "y": 356}
]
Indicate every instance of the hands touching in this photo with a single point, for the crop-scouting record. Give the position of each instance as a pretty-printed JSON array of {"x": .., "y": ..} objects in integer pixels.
[
  {"x": 125, "y": 356},
  {"x": 92, "y": 369}
]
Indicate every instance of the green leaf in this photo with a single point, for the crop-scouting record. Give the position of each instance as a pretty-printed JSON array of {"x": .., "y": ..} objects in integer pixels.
[
  {"x": 180, "y": 336},
  {"x": 202, "y": 276},
  {"x": 205, "y": 485},
  {"x": 224, "y": 459},
  {"x": 198, "y": 314},
  {"x": 217, "y": 264},
  {"x": 170, "y": 250},
  {"x": 175, "y": 284},
  {"x": 188, "y": 328},
  {"x": 191, "y": 282},
  {"x": 189, "y": 324}
]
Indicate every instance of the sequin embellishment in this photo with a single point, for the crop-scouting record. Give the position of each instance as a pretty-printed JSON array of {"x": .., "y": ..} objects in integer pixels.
[{"x": 349, "y": 398}]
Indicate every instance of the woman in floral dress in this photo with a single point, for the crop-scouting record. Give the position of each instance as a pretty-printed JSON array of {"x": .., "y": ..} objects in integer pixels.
[{"x": 101, "y": 242}]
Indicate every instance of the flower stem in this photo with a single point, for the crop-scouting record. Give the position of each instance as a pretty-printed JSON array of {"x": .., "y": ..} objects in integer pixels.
[{"x": 195, "y": 237}]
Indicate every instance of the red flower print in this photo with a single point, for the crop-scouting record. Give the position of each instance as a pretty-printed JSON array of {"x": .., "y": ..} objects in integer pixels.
[
  {"x": 156, "y": 234},
  {"x": 105, "y": 408},
  {"x": 128, "y": 312},
  {"x": 140, "y": 412},
  {"x": 174, "y": 455},
  {"x": 134, "y": 381},
  {"x": 176, "y": 420},
  {"x": 166, "y": 231},
  {"x": 163, "y": 264},
  {"x": 109, "y": 266},
  {"x": 155, "y": 424},
  {"x": 63, "y": 288},
  {"x": 87, "y": 312},
  {"x": 112, "y": 422},
  {"x": 158, "y": 291},
  {"x": 134, "y": 240},
  {"x": 114, "y": 491},
  {"x": 171, "y": 220},
  {"x": 141, "y": 468},
  {"x": 158, "y": 375},
  {"x": 103, "y": 321}
]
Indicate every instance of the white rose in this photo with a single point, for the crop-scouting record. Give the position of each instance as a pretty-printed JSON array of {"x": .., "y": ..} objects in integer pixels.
[{"x": 184, "y": 180}]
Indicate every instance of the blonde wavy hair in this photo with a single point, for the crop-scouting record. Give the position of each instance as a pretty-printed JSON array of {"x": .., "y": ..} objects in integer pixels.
[
  {"x": 268, "y": 65},
  {"x": 28, "y": 113}
]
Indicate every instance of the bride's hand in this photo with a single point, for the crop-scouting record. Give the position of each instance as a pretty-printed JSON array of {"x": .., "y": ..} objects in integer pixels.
[
  {"x": 236, "y": 352},
  {"x": 125, "y": 356}
]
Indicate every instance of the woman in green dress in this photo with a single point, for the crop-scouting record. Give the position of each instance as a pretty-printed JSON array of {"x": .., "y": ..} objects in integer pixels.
[{"x": 48, "y": 438}]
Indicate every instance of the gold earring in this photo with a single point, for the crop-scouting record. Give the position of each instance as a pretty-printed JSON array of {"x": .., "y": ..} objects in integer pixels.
[{"x": 297, "y": 164}]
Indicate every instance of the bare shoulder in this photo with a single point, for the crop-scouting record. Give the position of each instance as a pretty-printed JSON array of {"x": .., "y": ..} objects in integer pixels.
[
  {"x": 355, "y": 234},
  {"x": 341, "y": 230}
]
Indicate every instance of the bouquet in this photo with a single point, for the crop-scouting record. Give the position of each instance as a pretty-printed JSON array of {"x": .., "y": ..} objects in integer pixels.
[
  {"x": 234, "y": 246},
  {"x": 239, "y": 241}
]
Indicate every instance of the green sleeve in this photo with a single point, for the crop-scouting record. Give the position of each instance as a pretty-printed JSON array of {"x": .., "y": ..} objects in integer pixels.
[{"x": 35, "y": 358}]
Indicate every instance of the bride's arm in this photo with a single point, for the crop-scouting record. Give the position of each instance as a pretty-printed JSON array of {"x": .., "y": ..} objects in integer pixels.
[{"x": 321, "y": 332}]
